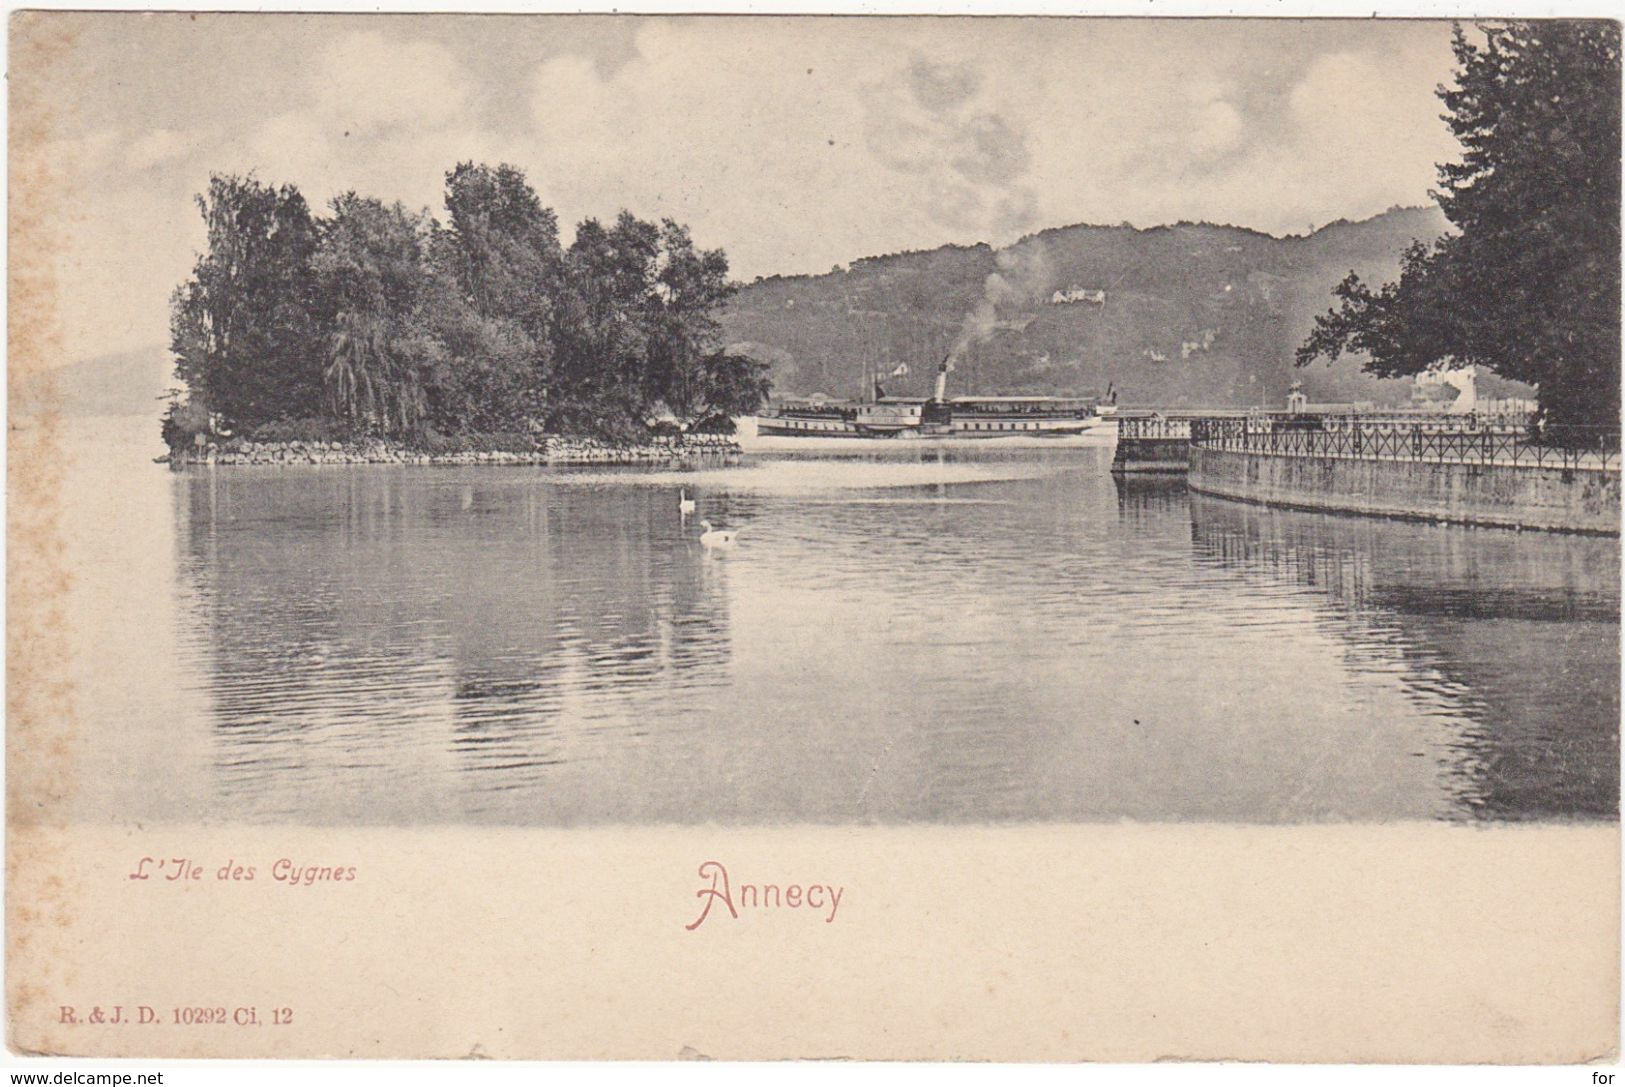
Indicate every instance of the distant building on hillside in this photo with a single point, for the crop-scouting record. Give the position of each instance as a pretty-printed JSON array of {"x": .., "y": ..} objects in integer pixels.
[{"x": 1078, "y": 294}]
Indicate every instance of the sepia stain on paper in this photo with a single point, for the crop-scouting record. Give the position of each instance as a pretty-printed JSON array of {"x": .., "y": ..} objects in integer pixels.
[{"x": 42, "y": 887}]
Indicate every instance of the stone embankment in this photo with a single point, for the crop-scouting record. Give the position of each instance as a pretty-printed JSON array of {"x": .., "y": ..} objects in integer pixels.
[
  {"x": 549, "y": 449},
  {"x": 1503, "y": 495},
  {"x": 1152, "y": 455}
]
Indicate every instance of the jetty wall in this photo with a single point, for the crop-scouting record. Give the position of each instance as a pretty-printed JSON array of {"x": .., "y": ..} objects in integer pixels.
[
  {"x": 544, "y": 449},
  {"x": 1155, "y": 443},
  {"x": 1511, "y": 495},
  {"x": 1159, "y": 455}
]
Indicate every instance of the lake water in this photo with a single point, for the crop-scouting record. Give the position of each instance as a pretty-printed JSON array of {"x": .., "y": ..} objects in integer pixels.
[{"x": 904, "y": 633}]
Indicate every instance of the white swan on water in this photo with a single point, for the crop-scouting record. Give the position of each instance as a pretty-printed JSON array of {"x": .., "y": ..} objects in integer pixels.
[
  {"x": 685, "y": 504},
  {"x": 715, "y": 537}
]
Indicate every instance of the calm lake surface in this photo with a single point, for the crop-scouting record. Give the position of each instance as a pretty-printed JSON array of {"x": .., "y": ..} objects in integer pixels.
[{"x": 904, "y": 633}]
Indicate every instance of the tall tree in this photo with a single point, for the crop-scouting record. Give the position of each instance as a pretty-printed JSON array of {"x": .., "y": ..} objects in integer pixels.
[
  {"x": 720, "y": 384},
  {"x": 602, "y": 327},
  {"x": 1528, "y": 284},
  {"x": 243, "y": 327},
  {"x": 372, "y": 279},
  {"x": 636, "y": 331},
  {"x": 497, "y": 265},
  {"x": 688, "y": 370}
]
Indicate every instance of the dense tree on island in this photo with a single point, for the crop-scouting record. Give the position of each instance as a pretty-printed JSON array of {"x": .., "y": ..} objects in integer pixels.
[
  {"x": 244, "y": 328},
  {"x": 378, "y": 321},
  {"x": 497, "y": 267},
  {"x": 603, "y": 326},
  {"x": 637, "y": 328},
  {"x": 372, "y": 283},
  {"x": 1528, "y": 284},
  {"x": 695, "y": 379}
]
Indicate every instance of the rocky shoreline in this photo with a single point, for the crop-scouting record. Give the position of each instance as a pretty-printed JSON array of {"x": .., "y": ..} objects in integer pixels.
[{"x": 545, "y": 449}]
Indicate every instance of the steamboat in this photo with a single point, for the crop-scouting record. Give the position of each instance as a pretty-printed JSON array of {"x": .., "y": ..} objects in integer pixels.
[{"x": 939, "y": 416}]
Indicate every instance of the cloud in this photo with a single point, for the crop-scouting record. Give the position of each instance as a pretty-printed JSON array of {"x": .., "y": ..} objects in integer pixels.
[
  {"x": 796, "y": 144},
  {"x": 942, "y": 87},
  {"x": 930, "y": 119},
  {"x": 992, "y": 150},
  {"x": 379, "y": 116},
  {"x": 385, "y": 117},
  {"x": 1356, "y": 113},
  {"x": 1357, "y": 132},
  {"x": 157, "y": 147},
  {"x": 376, "y": 85},
  {"x": 1323, "y": 134},
  {"x": 765, "y": 152},
  {"x": 1214, "y": 123}
]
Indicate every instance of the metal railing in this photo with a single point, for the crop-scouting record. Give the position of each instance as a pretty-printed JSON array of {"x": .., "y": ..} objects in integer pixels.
[
  {"x": 1151, "y": 427},
  {"x": 1438, "y": 440},
  {"x": 1408, "y": 421}
]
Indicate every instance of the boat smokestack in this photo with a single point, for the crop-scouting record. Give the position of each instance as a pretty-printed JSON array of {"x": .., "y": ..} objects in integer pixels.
[{"x": 942, "y": 377}]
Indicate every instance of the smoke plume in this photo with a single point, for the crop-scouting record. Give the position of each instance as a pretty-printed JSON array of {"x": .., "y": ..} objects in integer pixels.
[{"x": 1023, "y": 274}]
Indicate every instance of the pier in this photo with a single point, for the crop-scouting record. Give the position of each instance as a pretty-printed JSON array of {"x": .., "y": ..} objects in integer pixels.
[
  {"x": 1156, "y": 441},
  {"x": 1152, "y": 444},
  {"x": 1466, "y": 469}
]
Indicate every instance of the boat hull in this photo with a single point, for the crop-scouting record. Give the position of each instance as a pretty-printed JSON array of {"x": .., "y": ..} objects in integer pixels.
[
  {"x": 1045, "y": 428},
  {"x": 967, "y": 417},
  {"x": 959, "y": 429},
  {"x": 768, "y": 426}
]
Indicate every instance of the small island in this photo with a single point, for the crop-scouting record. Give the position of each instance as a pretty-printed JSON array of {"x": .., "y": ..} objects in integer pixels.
[{"x": 374, "y": 333}]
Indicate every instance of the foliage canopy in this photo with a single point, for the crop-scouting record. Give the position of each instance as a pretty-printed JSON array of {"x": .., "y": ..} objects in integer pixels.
[
  {"x": 386, "y": 322},
  {"x": 1528, "y": 283}
]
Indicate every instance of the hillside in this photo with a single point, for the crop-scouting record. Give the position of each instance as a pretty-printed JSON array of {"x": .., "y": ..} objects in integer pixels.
[
  {"x": 1193, "y": 314},
  {"x": 127, "y": 383}
]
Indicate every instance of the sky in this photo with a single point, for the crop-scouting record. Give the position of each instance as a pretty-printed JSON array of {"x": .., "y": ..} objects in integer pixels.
[{"x": 795, "y": 144}]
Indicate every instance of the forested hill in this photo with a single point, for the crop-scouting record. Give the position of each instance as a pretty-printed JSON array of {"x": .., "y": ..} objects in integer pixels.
[{"x": 1193, "y": 314}]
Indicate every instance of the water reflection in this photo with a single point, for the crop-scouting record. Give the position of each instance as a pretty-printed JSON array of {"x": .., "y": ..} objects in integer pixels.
[
  {"x": 1520, "y": 630},
  {"x": 354, "y": 615},
  {"x": 903, "y": 634},
  {"x": 1150, "y": 496}
]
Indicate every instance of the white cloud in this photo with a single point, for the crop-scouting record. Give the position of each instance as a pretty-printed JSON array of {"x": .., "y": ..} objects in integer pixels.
[
  {"x": 380, "y": 117},
  {"x": 1216, "y": 125},
  {"x": 375, "y": 85},
  {"x": 707, "y": 126},
  {"x": 1357, "y": 117},
  {"x": 1355, "y": 132},
  {"x": 797, "y": 144},
  {"x": 157, "y": 147},
  {"x": 835, "y": 143}
]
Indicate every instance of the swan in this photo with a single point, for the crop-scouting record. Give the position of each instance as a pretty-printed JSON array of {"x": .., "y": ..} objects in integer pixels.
[
  {"x": 685, "y": 504},
  {"x": 715, "y": 537}
]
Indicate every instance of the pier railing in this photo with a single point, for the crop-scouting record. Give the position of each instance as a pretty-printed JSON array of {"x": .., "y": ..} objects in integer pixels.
[
  {"x": 1438, "y": 440},
  {"x": 1153, "y": 427}
]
